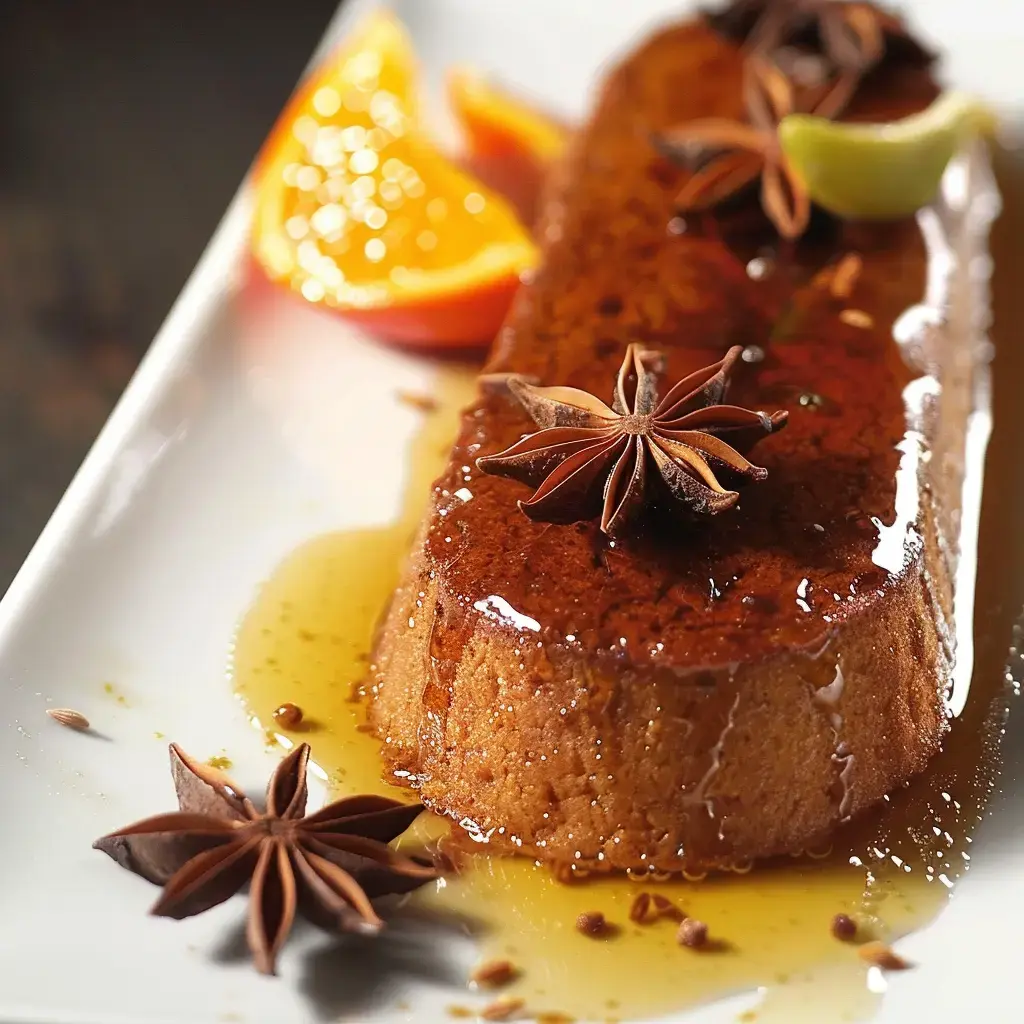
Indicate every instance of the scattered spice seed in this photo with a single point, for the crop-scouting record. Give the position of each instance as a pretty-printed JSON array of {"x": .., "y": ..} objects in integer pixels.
[
  {"x": 288, "y": 715},
  {"x": 845, "y": 276},
  {"x": 692, "y": 933},
  {"x": 844, "y": 927},
  {"x": 856, "y": 318},
  {"x": 567, "y": 874},
  {"x": 502, "y": 1009},
  {"x": 221, "y": 762},
  {"x": 878, "y": 954},
  {"x": 460, "y": 1012},
  {"x": 647, "y": 908},
  {"x": 592, "y": 923},
  {"x": 424, "y": 403},
  {"x": 664, "y": 907},
  {"x": 641, "y": 907},
  {"x": 72, "y": 719},
  {"x": 494, "y": 973}
]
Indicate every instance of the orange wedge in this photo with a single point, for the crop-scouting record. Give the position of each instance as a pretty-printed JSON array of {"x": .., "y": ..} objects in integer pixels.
[
  {"x": 358, "y": 211},
  {"x": 510, "y": 143}
]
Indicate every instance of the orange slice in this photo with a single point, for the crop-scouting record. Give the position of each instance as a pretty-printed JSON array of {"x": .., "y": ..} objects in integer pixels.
[
  {"x": 510, "y": 143},
  {"x": 358, "y": 211}
]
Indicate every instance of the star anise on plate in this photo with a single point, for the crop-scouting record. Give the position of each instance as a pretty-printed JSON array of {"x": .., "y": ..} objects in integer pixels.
[
  {"x": 329, "y": 863},
  {"x": 731, "y": 155},
  {"x": 591, "y": 460}
]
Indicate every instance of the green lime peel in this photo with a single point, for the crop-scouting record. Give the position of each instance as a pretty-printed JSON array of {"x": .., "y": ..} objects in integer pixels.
[{"x": 882, "y": 171}]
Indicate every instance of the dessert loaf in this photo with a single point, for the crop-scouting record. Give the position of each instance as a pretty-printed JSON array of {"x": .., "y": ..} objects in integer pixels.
[{"x": 701, "y": 691}]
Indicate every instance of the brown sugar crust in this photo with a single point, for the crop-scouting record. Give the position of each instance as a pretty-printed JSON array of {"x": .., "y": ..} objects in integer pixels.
[{"x": 701, "y": 692}]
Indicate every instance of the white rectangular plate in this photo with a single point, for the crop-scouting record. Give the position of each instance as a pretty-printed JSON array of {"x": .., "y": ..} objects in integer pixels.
[{"x": 234, "y": 443}]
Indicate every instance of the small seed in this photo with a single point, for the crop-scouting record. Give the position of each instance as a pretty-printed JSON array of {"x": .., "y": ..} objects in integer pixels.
[
  {"x": 844, "y": 927},
  {"x": 288, "y": 715},
  {"x": 647, "y": 908},
  {"x": 424, "y": 403},
  {"x": 878, "y": 954},
  {"x": 845, "y": 275},
  {"x": 72, "y": 719},
  {"x": 857, "y": 318},
  {"x": 592, "y": 923},
  {"x": 567, "y": 874},
  {"x": 494, "y": 973},
  {"x": 664, "y": 907},
  {"x": 692, "y": 933},
  {"x": 640, "y": 908},
  {"x": 502, "y": 1009}
]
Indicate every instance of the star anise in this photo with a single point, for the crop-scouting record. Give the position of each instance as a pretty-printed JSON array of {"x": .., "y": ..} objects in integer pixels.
[
  {"x": 852, "y": 35},
  {"x": 738, "y": 153},
  {"x": 328, "y": 863},
  {"x": 853, "y": 38},
  {"x": 591, "y": 459},
  {"x": 781, "y": 77}
]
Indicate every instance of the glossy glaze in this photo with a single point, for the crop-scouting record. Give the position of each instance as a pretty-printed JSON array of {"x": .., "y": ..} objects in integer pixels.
[{"x": 675, "y": 594}]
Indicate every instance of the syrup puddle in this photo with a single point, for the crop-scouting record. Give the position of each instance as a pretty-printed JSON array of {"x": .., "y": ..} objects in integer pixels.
[{"x": 306, "y": 640}]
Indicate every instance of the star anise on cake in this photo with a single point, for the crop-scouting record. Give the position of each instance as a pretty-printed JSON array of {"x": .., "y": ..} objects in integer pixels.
[
  {"x": 784, "y": 73},
  {"x": 591, "y": 460},
  {"x": 328, "y": 864},
  {"x": 730, "y": 155},
  {"x": 851, "y": 35}
]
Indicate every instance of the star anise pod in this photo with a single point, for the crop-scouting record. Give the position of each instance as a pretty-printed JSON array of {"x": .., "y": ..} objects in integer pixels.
[
  {"x": 736, "y": 153},
  {"x": 591, "y": 459},
  {"x": 329, "y": 863},
  {"x": 851, "y": 33}
]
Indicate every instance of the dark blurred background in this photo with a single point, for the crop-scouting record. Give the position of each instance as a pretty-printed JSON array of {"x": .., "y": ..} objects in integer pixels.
[{"x": 125, "y": 127}]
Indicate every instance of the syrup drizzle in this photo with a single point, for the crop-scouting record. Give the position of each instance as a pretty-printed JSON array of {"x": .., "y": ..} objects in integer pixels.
[{"x": 307, "y": 637}]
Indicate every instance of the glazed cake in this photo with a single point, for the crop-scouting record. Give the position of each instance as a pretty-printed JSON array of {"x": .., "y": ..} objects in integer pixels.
[{"x": 699, "y": 691}]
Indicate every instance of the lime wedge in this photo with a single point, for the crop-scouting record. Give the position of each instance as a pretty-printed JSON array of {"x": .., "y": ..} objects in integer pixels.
[{"x": 881, "y": 171}]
